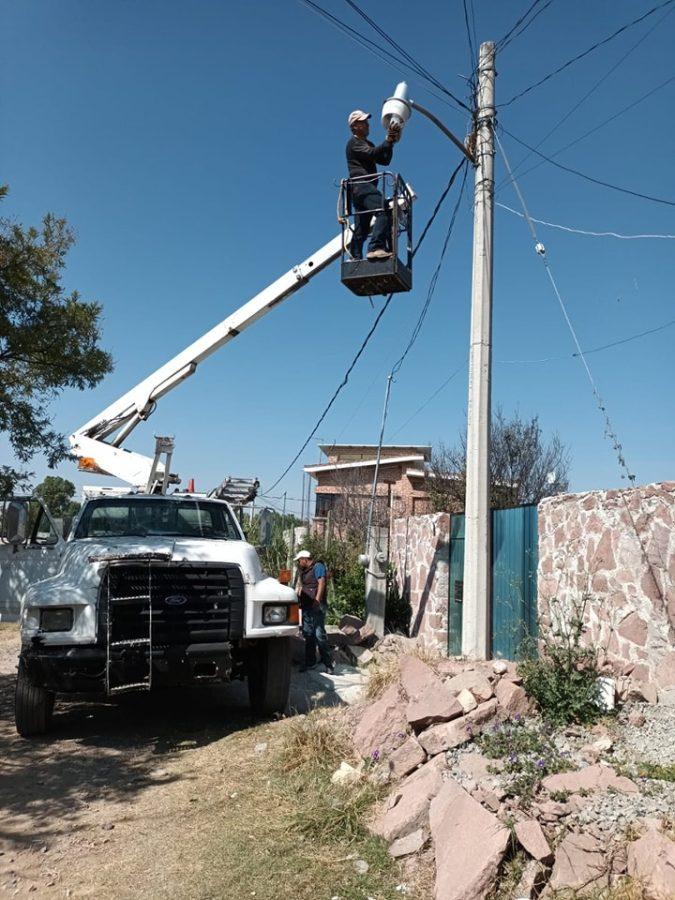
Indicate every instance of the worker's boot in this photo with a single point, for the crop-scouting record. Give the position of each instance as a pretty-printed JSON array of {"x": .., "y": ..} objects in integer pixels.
[{"x": 380, "y": 253}]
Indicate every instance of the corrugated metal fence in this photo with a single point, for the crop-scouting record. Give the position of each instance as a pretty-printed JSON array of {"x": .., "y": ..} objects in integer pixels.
[{"x": 514, "y": 580}]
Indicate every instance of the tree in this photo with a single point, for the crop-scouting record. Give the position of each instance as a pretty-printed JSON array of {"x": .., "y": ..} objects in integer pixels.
[
  {"x": 523, "y": 467},
  {"x": 49, "y": 341},
  {"x": 58, "y": 494}
]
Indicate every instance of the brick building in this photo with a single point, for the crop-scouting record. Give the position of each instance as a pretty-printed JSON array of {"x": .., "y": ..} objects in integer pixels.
[{"x": 345, "y": 478}]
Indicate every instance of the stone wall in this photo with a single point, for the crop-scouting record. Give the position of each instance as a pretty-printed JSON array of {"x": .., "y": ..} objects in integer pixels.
[
  {"x": 420, "y": 553},
  {"x": 618, "y": 548}
]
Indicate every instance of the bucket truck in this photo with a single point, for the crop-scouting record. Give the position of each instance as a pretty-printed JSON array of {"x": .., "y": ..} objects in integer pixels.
[{"x": 151, "y": 589}]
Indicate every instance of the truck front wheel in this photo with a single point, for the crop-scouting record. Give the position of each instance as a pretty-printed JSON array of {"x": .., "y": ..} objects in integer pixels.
[
  {"x": 33, "y": 705},
  {"x": 269, "y": 675}
]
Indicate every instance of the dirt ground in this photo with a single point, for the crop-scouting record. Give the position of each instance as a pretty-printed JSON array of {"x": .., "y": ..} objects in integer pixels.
[{"x": 155, "y": 796}]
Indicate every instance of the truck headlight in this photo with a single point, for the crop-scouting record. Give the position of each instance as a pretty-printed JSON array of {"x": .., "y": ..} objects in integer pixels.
[
  {"x": 275, "y": 615},
  {"x": 59, "y": 619}
]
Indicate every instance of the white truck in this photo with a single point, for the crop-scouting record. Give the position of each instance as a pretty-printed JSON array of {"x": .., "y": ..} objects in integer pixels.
[{"x": 153, "y": 589}]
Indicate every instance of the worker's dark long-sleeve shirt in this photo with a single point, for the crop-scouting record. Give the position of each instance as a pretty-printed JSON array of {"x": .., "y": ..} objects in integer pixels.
[{"x": 363, "y": 156}]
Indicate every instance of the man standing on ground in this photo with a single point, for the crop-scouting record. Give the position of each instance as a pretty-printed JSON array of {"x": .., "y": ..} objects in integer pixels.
[
  {"x": 362, "y": 159},
  {"x": 311, "y": 591}
]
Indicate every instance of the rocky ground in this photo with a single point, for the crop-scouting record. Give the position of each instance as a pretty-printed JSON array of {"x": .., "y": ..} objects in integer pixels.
[{"x": 504, "y": 806}]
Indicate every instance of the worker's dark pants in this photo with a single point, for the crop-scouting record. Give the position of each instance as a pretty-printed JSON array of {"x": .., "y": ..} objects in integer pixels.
[
  {"x": 314, "y": 633},
  {"x": 366, "y": 198}
]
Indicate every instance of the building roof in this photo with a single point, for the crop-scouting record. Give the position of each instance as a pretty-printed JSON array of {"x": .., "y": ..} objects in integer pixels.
[
  {"x": 364, "y": 463},
  {"x": 424, "y": 449}
]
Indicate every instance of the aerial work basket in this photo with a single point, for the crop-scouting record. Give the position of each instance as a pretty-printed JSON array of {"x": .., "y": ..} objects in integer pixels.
[{"x": 367, "y": 277}]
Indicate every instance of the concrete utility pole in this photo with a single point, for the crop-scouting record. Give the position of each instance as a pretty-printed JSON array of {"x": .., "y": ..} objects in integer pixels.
[{"x": 477, "y": 539}]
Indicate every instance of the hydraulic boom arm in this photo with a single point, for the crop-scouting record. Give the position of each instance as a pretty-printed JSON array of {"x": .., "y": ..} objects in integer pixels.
[{"x": 98, "y": 443}]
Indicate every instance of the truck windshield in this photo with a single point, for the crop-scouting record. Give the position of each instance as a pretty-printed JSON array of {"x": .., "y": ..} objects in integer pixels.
[{"x": 134, "y": 517}]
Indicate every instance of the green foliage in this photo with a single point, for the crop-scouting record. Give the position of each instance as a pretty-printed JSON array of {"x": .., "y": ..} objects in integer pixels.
[
  {"x": 48, "y": 340},
  {"x": 528, "y": 755},
  {"x": 655, "y": 770},
  {"x": 58, "y": 494},
  {"x": 563, "y": 680},
  {"x": 346, "y": 576}
]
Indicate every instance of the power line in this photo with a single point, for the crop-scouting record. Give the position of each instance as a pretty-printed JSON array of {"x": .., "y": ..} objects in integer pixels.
[
  {"x": 510, "y": 34},
  {"x": 539, "y": 247},
  {"x": 361, "y": 349},
  {"x": 592, "y": 90},
  {"x": 589, "y": 50},
  {"x": 400, "y": 65},
  {"x": 595, "y": 128},
  {"x": 429, "y": 399},
  {"x": 626, "y": 340},
  {"x": 473, "y": 59},
  {"x": 614, "y": 234},
  {"x": 434, "y": 278},
  {"x": 418, "y": 67},
  {"x": 590, "y": 178}
]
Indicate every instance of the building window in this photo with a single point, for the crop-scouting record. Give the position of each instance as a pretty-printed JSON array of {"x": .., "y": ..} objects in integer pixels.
[{"x": 324, "y": 503}]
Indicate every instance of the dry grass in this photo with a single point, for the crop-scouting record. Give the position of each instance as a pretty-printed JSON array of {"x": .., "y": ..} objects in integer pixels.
[
  {"x": 321, "y": 739},
  {"x": 624, "y": 889},
  {"x": 386, "y": 668}
]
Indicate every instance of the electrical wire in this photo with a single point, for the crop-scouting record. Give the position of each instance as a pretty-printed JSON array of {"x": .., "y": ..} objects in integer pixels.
[
  {"x": 590, "y": 178},
  {"x": 591, "y": 131},
  {"x": 363, "y": 346},
  {"x": 589, "y": 50},
  {"x": 429, "y": 399},
  {"x": 434, "y": 278},
  {"x": 626, "y": 340},
  {"x": 511, "y": 35},
  {"x": 380, "y": 52},
  {"x": 610, "y": 432},
  {"x": 591, "y": 91},
  {"x": 418, "y": 67},
  {"x": 473, "y": 59},
  {"x": 613, "y": 234}
]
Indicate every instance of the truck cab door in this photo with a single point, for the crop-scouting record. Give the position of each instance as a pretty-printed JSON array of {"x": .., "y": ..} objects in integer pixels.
[{"x": 31, "y": 548}]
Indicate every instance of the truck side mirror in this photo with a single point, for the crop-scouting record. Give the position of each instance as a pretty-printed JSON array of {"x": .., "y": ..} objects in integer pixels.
[{"x": 14, "y": 522}]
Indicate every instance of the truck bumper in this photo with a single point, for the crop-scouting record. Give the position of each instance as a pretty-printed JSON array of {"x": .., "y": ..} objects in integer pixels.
[{"x": 81, "y": 670}]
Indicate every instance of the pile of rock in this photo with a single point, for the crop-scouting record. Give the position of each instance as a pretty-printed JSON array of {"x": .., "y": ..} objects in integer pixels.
[
  {"x": 352, "y": 640},
  {"x": 449, "y": 801}
]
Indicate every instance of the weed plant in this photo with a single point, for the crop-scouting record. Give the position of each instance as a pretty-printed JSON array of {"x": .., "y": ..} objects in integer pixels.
[
  {"x": 563, "y": 678},
  {"x": 528, "y": 755}
]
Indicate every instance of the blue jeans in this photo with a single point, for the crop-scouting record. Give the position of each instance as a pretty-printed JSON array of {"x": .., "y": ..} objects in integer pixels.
[
  {"x": 314, "y": 633},
  {"x": 366, "y": 198}
]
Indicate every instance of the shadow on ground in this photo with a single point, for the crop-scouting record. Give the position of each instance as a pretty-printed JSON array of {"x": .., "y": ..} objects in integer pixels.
[{"x": 99, "y": 751}]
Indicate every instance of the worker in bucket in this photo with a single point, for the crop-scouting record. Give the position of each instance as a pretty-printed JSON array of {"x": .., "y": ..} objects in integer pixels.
[
  {"x": 311, "y": 591},
  {"x": 362, "y": 160}
]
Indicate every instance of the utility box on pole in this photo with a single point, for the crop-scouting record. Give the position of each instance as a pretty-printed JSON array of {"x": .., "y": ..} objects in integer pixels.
[{"x": 477, "y": 549}]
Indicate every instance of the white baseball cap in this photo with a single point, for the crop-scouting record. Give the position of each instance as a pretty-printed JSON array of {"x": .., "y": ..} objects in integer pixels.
[
  {"x": 303, "y": 554},
  {"x": 357, "y": 116}
]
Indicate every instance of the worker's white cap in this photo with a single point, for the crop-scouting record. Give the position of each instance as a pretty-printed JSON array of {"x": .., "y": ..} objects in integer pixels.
[
  {"x": 303, "y": 554},
  {"x": 357, "y": 116}
]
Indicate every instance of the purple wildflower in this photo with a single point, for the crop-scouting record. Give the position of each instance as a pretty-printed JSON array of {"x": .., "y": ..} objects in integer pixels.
[
  {"x": 518, "y": 717},
  {"x": 540, "y": 763},
  {"x": 375, "y": 755},
  {"x": 512, "y": 757}
]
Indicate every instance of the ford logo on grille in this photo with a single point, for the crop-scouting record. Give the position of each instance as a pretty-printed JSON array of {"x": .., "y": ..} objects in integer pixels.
[{"x": 176, "y": 600}]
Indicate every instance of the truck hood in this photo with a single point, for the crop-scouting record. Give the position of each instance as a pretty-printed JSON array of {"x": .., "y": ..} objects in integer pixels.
[{"x": 94, "y": 550}]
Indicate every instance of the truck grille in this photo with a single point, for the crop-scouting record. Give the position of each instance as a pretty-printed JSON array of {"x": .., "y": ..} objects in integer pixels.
[{"x": 192, "y": 603}]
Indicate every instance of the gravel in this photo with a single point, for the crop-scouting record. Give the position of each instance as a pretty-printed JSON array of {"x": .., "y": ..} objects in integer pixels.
[{"x": 654, "y": 742}]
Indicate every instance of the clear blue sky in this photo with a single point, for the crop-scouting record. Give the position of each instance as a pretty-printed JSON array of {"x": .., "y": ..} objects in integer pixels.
[{"x": 196, "y": 148}]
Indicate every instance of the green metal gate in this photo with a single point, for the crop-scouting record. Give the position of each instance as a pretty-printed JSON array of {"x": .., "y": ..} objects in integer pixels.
[{"x": 514, "y": 580}]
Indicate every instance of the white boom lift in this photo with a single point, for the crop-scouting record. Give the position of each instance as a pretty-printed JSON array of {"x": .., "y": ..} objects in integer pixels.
[{"x": 98, "y": 443}]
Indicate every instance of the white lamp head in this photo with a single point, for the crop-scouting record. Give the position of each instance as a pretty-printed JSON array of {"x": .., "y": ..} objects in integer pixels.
[{"x": 397, "y": 109}]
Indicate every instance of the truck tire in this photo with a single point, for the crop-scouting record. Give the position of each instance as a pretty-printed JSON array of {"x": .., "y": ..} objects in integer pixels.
[
  {"x": 33, "y": 705},
  {"x": 269, "y": 676}
]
